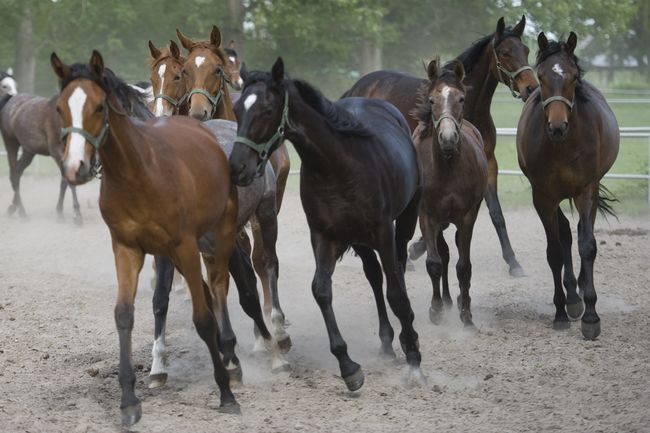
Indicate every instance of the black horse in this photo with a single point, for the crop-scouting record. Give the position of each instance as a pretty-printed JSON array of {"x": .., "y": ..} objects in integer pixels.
[{"x": 359, "y": 186}]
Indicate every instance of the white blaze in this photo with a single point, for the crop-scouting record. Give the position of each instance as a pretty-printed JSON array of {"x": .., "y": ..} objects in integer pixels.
[
  {"x": 558, "y": 69},
  {"x": 199, "y": 61},
  {"x": 447, "y": 127},
  {"x": 249, "y": 101},
  {"x": 232, "y": 59},
  {"x": 77, "y": 142},
  {"x": 158, "y": 111}
]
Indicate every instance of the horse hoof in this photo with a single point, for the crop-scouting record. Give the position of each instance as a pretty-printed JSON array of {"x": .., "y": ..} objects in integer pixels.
[
  {"x": 416, "y": 378},
  {"x": 78, "y": 221},
  {"x": 230, "y": 408},
  {"x": 12, "y": 209},
  {"x": 517, "y": 271},
  {"x": 355, "y": 381},
  {"x": 281, "y": 367},
  {"x": 435, "y": 315},
  {"x": 157, "y": 380},
  {"x": 590, "y": 331},
  {"x": 235, "y": 375},
  {"x": 468, "y": 325},
  {"x": 448, "y": 303},
  {"x": 285, "y": 344},
  {"x": 387, "y": 352},
  {"x": 131, "y": 415},
  {"x": 560, "y": 325},
  {"x": 575, "y": 311}
]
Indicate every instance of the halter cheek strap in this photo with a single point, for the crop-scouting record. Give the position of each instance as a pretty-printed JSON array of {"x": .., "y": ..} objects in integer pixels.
[
  {"x": 511, "y": 75},
  {"x": 214, "y": 100},
  {"x": 176, "y": 103},
  {"x": 263, "y": 149},
  {"x": 548, "y": 100}
]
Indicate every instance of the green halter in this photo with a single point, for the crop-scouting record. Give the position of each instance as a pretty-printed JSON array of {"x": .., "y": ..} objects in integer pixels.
[
  {"x": 548, "y": 100},
  {"x": 214, "y": 100},
  {"x": 176, "y": 103},
  {"x": 511, "y": 75},
  {"x": 263, "y": 149}
]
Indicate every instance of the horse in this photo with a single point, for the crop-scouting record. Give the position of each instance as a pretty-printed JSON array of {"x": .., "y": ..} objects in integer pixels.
[
  {"x": 165, "y": 190},
  {"x": 167, "y": 82},
  {"x": 567, "y": 139},
  {"x": 30, "y": 123},
  {"x": 204, "y": 75},
  {"x": 359, "y": 187},
  {"x": 454, "y": 179},
  {"x": 233, "y": 67},
  {"x": 499, "y": 57},
  {"x": 8, "y": 85}
]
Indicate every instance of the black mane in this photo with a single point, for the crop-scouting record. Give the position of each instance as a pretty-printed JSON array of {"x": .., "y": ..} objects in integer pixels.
[
  {"x": 132, "y": 100},
  {"x": 339, "y": 119},
  {"x": 471, "y": 56}
]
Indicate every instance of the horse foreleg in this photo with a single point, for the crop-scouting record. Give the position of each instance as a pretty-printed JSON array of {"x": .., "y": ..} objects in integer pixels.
[
  {"x": 400, "y": 304},
  {"x": 281, "y": 162},
  {"x": 499, "y": 222},
  {"x": 372, "y": 270},
  {"x": 128, "y": 262},
  {"x": 464, "y": 266},
  {"x": 75, "y": 205},
  {"x": 188, "y": 262},
  {"x": 431, "y": 231},
  {"x": 326, "y": 252},
  {"x": 164, "y": 268},
  {"x": 443, "y": 251},
  {"x": 20, "y": 166},
  {"x": 587, "y": 204},
  {"x": 574, "y": 306},
  {"x": 59, "y": 204},
  {"x": 547, "y": 211}
]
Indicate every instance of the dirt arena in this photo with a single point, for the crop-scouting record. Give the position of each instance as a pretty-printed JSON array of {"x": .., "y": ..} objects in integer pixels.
[{"x": 59, "y": 346}]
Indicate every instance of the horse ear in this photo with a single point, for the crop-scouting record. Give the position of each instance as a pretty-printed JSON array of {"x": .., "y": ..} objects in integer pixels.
[
  {"x": 155, "y": 52},
  {"x": 97, "y": 64},
  {"x": 60, "y": 69},
  {"x": 542, "y": 42},
  {"x": 459, "y": 70},
  {"x": 519, "y": 28},
  {"x": 185, "y": 41},
  {"x": 571, "y": 43},
  {"x": 10, "y": 70},
  {"x": 501, "y": 26},
  {"x": 231, "y": 44},
  {"x": 173, "y": 48},
  {"x": 432, "y": 69},
  {"x": 277, "y": 71},
  {"x": 243, "y": 72},
  {"x": 215, "y": 37}
]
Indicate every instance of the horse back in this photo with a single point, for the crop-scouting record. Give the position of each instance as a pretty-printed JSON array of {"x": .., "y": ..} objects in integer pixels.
[{"x": 32, "y": 122}]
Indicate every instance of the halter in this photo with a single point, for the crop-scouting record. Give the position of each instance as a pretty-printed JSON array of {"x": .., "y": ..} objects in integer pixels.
[
  {"x": 176, "y": 103},
  {"x": 511, "y": 75},
  {"x": 436, "y": 122},
  {"x": 96, "y": 140},
  {"x": 214, "y": 100},
  {"x": 263, "y": 149},
  {"x": 550, "y": 99}
]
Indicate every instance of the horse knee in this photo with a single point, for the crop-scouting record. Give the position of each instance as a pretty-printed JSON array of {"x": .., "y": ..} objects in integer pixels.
[
  {"x": 434, "y": 267},
  {"x": 464, "y": 271},
  {"x": 322, "y": 293},
  {"x": 588, "y": 248}
]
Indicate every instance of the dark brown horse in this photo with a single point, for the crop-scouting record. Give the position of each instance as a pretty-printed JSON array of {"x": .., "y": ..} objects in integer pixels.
[
  {"x": 454, "y": 178},
  {"x": 359, "y": 186},
  {"x": 499, "y": 57},
  {"x": 567, "y": 139},
  {"x": 166, "y": 191}
]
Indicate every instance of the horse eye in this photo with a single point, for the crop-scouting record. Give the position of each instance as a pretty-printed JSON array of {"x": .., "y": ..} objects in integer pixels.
[
  {"x": 184, "y": 72},
  {"x": 431, "y": 100},
  {"x": 58, "y": 109},
  {"x": 177, "y": 77},
  {"x": 100, "y": 108},
  {"x": 462, "y": 99}
]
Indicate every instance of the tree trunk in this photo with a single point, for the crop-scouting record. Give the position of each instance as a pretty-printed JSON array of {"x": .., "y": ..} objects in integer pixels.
[
  {"x": 235, "y": 25},
  {"x": 371, "y": 56},
  {"x": 25, "y": 56}
]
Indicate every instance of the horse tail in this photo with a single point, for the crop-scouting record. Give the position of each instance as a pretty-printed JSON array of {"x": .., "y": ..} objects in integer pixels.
[
  {"x": 4, "y": 100},
  {"x": 605, "y": 202}
]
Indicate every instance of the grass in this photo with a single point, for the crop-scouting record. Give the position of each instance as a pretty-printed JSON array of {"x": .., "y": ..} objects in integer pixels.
[{"x": 515, "y": 190}]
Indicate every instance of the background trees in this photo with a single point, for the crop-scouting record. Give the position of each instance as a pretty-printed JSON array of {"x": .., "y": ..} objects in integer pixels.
[{"x": 329, "y": 42}]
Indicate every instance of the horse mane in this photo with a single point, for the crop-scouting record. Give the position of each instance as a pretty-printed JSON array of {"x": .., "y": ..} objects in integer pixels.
[
  {"x": 339, "y": 119},
  {"x": 132, "y": 100},
  {"x": 556, "y": 47},
  {"x": 471, "y": 56},
  {"x": 423, "y": 111}
]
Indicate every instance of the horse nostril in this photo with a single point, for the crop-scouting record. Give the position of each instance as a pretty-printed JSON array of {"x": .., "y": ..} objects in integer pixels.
[{"x": 564, "y": 126}]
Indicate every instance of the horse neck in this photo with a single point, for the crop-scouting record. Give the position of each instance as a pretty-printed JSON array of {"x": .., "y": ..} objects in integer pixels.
[
  {"x": 225, "y": 110},
  {"x": 122, "y": 162},
  {"x": 481, "y": 86}
]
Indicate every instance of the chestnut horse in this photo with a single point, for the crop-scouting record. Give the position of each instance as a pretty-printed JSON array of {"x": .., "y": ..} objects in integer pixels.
[
  {"x": 359, "y": 186},
  {"x": 499, "y": 57},
  {"x": 567, "y": 139},
  {"x": 165, "y": 190},
  {"x": 454, "y": 178}
]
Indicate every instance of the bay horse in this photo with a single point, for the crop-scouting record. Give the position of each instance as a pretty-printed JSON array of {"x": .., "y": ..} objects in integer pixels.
[
  {"x": 359, "y": 187},
  {"x": 207, "y": 96},
  {"x": 499, "y": 57},
  {"x": 165, "y": 190},
  {"x": 30, "y": 123},
  {"x": 567, "y": 139},
  {"x": 454, "y": 179}
]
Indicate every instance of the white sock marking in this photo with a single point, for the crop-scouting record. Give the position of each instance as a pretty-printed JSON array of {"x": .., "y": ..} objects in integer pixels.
[
  {"x": 159, "y": 354},
  {"x": 249, "y": 101}
]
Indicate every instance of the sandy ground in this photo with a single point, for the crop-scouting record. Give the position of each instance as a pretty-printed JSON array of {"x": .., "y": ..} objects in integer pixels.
[{"x": 59, "y": 351}]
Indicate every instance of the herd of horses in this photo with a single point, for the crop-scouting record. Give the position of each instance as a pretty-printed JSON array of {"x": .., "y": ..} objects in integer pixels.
[{"x": 182, "y": 177}]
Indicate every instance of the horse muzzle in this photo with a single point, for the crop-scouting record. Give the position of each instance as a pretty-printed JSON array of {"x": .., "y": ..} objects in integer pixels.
[
  {"x": 77, "y": 172},
  {"x": 557, "y": 131}
]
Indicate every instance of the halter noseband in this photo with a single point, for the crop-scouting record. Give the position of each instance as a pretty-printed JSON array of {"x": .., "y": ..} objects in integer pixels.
[
  {"x": 550, "y": 99},
  {"x": 176, "y": 103},
  {"x": 511, "y": 75},
  {"x": 214, "y": 100},
  {"x": 263, "y": 149},
  {"x": 436, "y": 122}
]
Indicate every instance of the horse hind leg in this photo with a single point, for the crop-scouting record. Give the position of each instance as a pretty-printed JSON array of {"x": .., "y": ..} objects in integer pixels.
[
  {"x": 372, "y": 270},
  {"x": 164, "y": 277},
  {"x": 20, "y": 166},
  {"x": 574, "y": 306}
]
